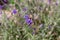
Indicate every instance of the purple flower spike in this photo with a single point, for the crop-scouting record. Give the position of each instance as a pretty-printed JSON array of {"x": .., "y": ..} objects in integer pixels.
[{"x": 14, "y": 11}]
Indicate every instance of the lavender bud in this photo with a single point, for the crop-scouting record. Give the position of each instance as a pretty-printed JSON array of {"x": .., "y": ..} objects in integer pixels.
[{"x": 24, "y": 9}]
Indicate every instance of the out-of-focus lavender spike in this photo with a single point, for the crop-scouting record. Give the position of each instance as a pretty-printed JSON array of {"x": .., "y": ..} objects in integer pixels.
[
  {"x": 34, "y": 28},
  {"x": 49, "y": 1},
  {"x": 0, "y": 12},
  {"x": 57, "y": 2},
  {"x": 5, "y": 0},
  {"x": 49, "y": 27},
  {"x": 1, "y": 6}
]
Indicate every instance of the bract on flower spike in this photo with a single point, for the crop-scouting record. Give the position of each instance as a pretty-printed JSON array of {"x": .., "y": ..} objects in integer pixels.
[
  {"x": 57, "y": 2},
  {"x": 49, "y": 1}
]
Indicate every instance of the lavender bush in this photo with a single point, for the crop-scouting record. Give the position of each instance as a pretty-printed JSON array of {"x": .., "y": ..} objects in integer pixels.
[{"x": 30, "y": 20}]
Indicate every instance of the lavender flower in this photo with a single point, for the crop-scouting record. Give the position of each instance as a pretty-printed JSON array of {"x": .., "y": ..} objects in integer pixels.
[
  {"x": 49, "y": 1},
  {"x": 0, "y": 12},
  {"x": 25, "y": 8},
  {"x": 28, "y": 20},
  {"x": 26, "y": 17},
  {"x": 5, "y": 0},
  {"x": 1, "y": 6},
  {"x": 57, "y": 2},
  {"x": 14, "y": 11}
]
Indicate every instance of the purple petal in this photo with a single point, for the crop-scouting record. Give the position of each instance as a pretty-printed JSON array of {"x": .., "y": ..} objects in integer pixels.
[{"x": 14, "y": 11}]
